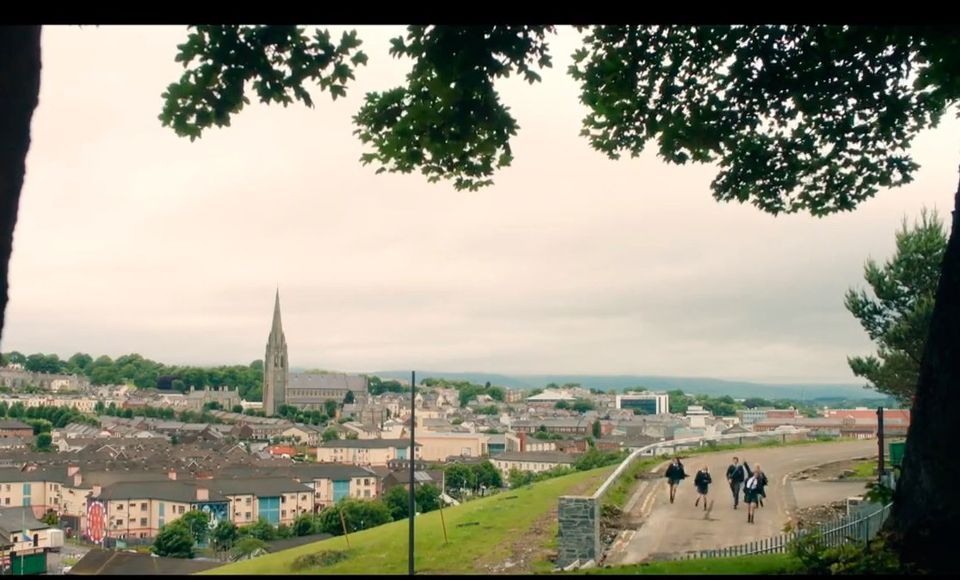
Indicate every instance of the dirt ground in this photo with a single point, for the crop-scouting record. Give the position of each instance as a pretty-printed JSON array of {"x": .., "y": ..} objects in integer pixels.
[
  {"x": 821, "y": 514},
  {"x": 814, "y": 515},
  {"x": 831, "y": 471}
]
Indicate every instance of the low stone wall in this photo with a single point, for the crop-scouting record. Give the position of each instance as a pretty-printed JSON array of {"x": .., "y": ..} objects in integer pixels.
[{"x": 579, "y": 535}]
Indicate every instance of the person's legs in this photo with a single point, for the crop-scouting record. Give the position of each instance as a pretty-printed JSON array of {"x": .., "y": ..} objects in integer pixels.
[
  {"x": 704, "y": 501},
  {"x": 735, "y": 488}
]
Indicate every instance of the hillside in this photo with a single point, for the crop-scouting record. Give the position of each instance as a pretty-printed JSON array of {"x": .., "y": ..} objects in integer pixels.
[
  {"x": 693, "y": 385},
  {"x": 518, "y": 526}
]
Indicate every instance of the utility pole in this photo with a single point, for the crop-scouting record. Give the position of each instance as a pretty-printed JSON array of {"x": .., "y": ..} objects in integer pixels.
[{"x": 413, "y": 455}]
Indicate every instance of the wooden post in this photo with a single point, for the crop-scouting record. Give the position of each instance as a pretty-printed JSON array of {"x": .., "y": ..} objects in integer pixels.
[
  {"x": 443, "y": 522},
  {"x": 344, "y": 523}
]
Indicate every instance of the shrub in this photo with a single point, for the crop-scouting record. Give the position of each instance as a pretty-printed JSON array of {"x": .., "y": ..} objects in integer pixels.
[
  {"x": 874, "y": 558},
  {"x": 320, "y": 559}
]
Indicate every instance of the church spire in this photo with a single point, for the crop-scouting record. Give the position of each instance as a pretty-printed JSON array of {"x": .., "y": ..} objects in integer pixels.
[{"x": 277, "y": 328}]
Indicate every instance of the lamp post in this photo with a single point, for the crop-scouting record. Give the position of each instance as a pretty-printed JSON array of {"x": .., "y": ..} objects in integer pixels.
[{"x": 413, "y": 455}]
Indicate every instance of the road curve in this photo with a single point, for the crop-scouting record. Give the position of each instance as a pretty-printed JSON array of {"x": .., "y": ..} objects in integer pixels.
[{"x": 680, "y": 527}]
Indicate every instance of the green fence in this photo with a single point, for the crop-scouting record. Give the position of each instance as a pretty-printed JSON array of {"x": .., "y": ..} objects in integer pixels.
[{"x": 29, "y": 564}]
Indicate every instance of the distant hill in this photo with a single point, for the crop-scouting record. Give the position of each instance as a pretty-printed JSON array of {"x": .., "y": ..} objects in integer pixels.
[{"x": 693, "y": 385}]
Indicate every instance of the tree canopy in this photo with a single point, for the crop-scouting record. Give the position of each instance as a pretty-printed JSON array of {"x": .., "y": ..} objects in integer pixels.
[{"x": 896, "y": 315}]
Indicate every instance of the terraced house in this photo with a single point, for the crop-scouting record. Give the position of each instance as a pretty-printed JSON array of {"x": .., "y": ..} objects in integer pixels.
[
  {"x": 41, "y": 489},
  {"x": 375, "y": 452},
  {"x": 329, "y": 482},
  {"x": 136, "y": 510},
  {"x": 134, "y": 504},
  {"x": 279, "y": 500}
]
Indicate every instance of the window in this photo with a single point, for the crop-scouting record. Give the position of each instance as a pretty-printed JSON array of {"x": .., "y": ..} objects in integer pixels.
[
  {"x": 120, "y": 507},
  {"x": 366, "y": 493},
  {"x": 283, "y": 499},
  {"x": 249, "y": 501},
  {"x": 366, "y": 481},
  {"x": 283, "y": 513},
  {"x": 248, "y": 515},
  {"x": 6, "y": 501},
  {"x": 143, "y": 521},
  {"x": 143, "y": 507}
]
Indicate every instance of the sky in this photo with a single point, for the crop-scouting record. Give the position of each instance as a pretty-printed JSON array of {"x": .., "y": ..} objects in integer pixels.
[{"x": 131, "y": 239}]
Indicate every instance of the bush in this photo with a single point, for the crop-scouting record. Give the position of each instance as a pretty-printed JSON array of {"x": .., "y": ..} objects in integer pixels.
[
  {"x": 320, "y": 559},
  {"x": 815, "y": 558}
]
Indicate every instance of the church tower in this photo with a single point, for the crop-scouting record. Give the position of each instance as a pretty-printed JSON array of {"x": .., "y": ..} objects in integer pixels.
[{"x": 276, "y": 366}]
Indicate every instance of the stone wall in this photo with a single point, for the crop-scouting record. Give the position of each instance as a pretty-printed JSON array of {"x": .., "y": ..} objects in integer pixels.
[{"x": 579, "y": 534}]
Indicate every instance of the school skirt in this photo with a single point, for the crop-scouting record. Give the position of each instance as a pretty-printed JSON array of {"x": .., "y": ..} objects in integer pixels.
[{"x": 750, "y": 496}]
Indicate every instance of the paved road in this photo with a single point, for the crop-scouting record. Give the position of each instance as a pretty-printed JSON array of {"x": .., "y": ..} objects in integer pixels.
[{"x": 680, "y": 527}]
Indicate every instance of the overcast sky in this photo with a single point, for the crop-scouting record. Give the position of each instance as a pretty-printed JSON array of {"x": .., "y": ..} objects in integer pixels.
[{"x": 131, "y": 239}]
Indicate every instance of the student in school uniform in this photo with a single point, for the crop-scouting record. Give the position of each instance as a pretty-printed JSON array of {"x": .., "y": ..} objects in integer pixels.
[
  {"x": 702, "y": 482},
  {"x": 753, "y": 489},
  {"x": 675, "y": 475}
]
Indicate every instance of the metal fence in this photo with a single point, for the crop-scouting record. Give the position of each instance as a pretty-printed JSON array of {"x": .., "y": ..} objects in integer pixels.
[{"x": 842, "y": 530}]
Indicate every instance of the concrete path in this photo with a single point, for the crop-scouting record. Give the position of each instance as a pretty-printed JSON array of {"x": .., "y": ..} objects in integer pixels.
[{"x": 680, "y": 527}]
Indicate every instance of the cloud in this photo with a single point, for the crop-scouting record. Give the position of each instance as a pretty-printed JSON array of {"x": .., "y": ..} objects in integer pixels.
[{"x": 131, "y": 239}]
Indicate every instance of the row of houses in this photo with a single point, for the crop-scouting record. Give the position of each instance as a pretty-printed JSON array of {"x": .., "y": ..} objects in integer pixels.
[{"x": 136, "y": 504}]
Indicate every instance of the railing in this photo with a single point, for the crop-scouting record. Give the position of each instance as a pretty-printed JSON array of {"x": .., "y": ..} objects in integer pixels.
[
  {"x": 702, "y": 441},
  {"x": 842, "y": 530}
]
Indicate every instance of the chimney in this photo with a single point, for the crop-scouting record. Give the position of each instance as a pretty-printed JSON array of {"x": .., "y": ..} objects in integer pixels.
[
  {"x": 172, "y": 474},
  {"x": 96, "y": 490},
  {"x": 77, "y": 478},
  {"x": 72, "y": 470},
  {"x": 203, "y": 494},
  {"x": 523, "y": 441}
]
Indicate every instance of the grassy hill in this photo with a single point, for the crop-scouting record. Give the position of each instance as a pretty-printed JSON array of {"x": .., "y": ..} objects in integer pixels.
[{"x": 516, "y": 525}]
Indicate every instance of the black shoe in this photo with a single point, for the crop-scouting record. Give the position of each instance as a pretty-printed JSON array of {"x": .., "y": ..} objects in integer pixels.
[{"x": 734, "y": 506}]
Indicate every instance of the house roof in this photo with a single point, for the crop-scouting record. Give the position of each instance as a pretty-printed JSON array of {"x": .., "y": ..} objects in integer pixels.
[
  {"x": 259, "y": 486},
  {"x": 179, "y": 491},
  {"x": 367, "y": 443},
  {"x": 108, "y": 562},
  {"x": 538, "y": 456},
  {"x": 13, "y": 424},
  {"x": 354, "y": 383},
  {"x": 14, "y": 520}
]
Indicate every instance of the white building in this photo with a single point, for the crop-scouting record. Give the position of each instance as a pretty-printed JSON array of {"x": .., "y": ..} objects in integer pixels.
[
  {"x": 697, "y": 416},
  {"x": 650, "y": 403}
]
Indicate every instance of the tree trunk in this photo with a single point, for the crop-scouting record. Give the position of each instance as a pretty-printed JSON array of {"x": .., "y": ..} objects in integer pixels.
[
  {"x": 19, "y": 92},
  {"x": 926, "y": 509}
]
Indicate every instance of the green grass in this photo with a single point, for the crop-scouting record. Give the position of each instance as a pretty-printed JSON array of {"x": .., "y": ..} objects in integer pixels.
[
  {"x": 867, "y": 469},
  {"x": 619, "y": 493},
  {"x": 383, "y": 550},
  {"x": 760, "y": 564}
]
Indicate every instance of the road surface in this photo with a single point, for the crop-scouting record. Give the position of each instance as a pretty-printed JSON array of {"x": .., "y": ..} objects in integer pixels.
[{"x": 667, "y": 529}]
